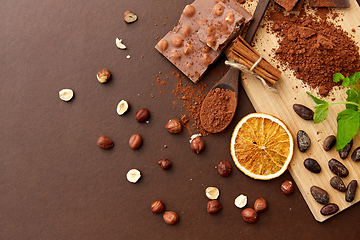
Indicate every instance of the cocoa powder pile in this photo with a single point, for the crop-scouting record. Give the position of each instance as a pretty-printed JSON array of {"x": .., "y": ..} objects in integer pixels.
[{"x": 314, "y": 48}]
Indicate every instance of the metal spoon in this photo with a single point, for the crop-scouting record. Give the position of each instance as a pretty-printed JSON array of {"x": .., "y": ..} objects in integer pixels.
[{"x": 230, "y": 80}]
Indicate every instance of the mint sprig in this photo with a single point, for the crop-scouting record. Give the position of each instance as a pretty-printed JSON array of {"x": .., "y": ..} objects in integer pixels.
[{"x": 348, "y": 120}]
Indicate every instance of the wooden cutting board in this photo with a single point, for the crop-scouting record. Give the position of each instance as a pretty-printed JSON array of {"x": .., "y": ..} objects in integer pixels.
[{"x": 290, "y": 91}]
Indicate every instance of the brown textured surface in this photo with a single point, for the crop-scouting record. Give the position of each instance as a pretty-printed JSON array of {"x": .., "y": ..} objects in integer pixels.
[{"x": 55, "y": 183}]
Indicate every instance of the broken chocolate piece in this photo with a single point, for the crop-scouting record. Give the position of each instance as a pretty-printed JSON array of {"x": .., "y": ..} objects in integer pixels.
[
  {"x": 330, "y": 3},
  {"x": 287, "y": 4}
]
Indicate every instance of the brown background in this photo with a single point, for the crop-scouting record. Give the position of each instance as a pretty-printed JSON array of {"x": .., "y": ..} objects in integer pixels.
[{"x": 55, "y": 183}]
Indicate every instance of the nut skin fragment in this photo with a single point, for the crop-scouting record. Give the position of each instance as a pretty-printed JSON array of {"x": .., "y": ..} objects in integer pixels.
[
  {"x": 135, "y": 141},
  {"x": 133, "y": 175},
  {"x": 66, "y": 94},
  {"x": 174, "y": 126},
  {"x": 104, "y": 142},
  {"x": 122, "y": 107},
  {"x": 157, "y": 206},
  {"x": 189, "y": 10},
  {"x": 129, "y": 17},
  {"x": 224, "y": 168},
  {"x": 142, "y": 115},
  {"x": 197, "y": 144},
  {"x": 249, "y": 215},
  {"x": 171, "y": 217},
  {"x": 163, "y": 45},
  {"x": 213, "y": 206},
  {"x": 103, "y": 75}
]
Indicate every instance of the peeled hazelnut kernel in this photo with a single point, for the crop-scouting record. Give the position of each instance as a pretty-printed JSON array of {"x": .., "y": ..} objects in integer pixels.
[
  {"x": 104, "y": 142},
  {"x": 162, "y": 45},
  {"x": 229, "y": 17},
  {"x": 175, "y": 54},
  {"x": 224, "y": 168},
  {"x": 185, "y": 31},
  {"x": 103, "y": 75},
  {"x": 129, "y": 17},
  {"x": 211, "y": 41},
  {"x": 197, "y": 144},
  {"x": 188, "y": 49},
  {"x": 287, "y": 187},
  {"x": 177, "y": 41},
  {"x": 218, "y": 10},
  {"x": 170, "y": 217},
  {"x": 189, "y": 10},
  {"x": 249, "y": 215},
  {"x": 66, "y": 94},
  {"x": 173, "y": 126},
  {"x": 119, "y": 43},
  {"x": 122, "y": 107},
  {"x": 212, "y": 193},
  {"x": 157, "y": 206},
  {"x": 206, "y": 59},
  {"x": 142, "y": 115},
  {"x": 213, "y": 206},
  {"x": 260, "y": 205},
  {"x": 135, "y": 141},
  {"x": 241, "y": 201},
  {"x": 133, "y": 175},
  {"x": 164, "y": 163}
]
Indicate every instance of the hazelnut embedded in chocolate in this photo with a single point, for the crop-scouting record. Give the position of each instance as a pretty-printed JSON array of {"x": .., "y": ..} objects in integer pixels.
[
  {"x": 188, "y": 49},
  {"x": 218, "y": 10},
  {"x": 206, "y": 59},
  {"x": 163, "y": 44},
  {"x": 211, "y": 31},
  {"x": 229, "y": 17},
  {"x": 175, "y": 54},
  {"x": 211, "y": 41},
  {"x": 177, "y": 41},
  {"x": 189, "y": 10},
  {"x": 185, "y": 31}
]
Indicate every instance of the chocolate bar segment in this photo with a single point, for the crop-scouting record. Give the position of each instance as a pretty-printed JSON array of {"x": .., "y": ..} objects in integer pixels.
[{"x": 182, "y": 46}]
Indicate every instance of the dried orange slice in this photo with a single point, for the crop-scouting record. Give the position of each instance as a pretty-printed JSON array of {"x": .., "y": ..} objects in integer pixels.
[{"x": 262, "y": 146}]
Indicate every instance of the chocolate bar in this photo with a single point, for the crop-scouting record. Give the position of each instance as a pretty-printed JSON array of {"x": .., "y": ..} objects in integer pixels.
[{"x": 183, "y": 47}]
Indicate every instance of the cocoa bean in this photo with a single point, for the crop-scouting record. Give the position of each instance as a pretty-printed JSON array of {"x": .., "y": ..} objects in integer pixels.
[
  {"x": 329, "y": 209},
  {"x": 303, "y": 140},
  {"x": 303, "y": 111},
  {"x": 351, "y": 190},
  {"x": 346, "y": 150},
  {"x": 320, "y": 195},
  {"x": 329, "y": 142},
  {"x": 312, "y": 165},
  {"x": 355, "y": 156},
  {"x": 337, "y": 183},
  {"x": 338, "y": 168}
]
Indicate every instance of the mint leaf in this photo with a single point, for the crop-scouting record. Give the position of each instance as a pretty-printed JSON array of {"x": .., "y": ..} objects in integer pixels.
[
  {"x": 338, "y": 77},
  {"x": 352, "y": 97},
  {"x": 321, "y": 109},
  {"x": 346, "y": 82},
  {"x": 348, "y": 125},
  {"x": 354, "y": 78},
  {"x": 316, "y": 100}
]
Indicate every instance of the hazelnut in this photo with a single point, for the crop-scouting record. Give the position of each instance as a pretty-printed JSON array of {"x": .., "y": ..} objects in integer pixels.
[
  {"x": 142, "y": 115},
  {"x": 185, "y": 31},
  {"x": 122, "y": 107},
  {"x": 241, "y": 201},
  {"x": 164, "y": 163},
  {"x": 249, "y": 215},
  {"x": 287, "y": 187},
  {"x": 135, "y": 141},
  {"x": 133, "y": 175},
  {"x": 177, "y": 41},
  {"x": 129, "y": 17},
  {"x": 211, "y": 41},
  {"x": 206, "y": 59},
  {"x": 260, "y": 205},
  {"x": 224, "y": 168},
  {"x": 175, "y": 54},
  {"x": 170, "y": 217},
  {"x": 173, "y": 126},
  {"x": 211, "y": 31},
  {"x": 189, "y": 10},
  {"x": 162, "y": 45},
  {"x": 103, "y": 75},
  {"x": 197, "y": 144},
  {"x": 66, "y": 94},
  {"x": 188, "y": 49},
  {"x": 212, "y": 192},
  {"x": 157, "y": 206},
  {"x": 213, "y": 206},
  {"x": 105, "y": 142},
  {"x": 229, "y": 17},
  {"x": 205, "y": 49},
  {"x": 218, "y": 10}
]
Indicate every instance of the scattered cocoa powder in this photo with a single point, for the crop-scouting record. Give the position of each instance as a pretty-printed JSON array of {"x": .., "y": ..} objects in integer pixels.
[
  {"x": 217, "y": 109},
  {"x": 313, "y": 47}
]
